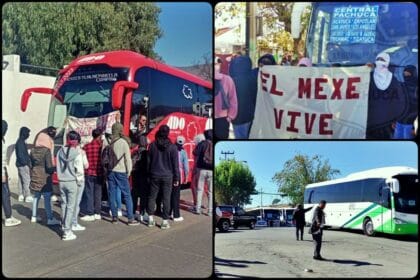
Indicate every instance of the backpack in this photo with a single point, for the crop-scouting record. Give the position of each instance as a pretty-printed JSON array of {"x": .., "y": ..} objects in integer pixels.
[
  {"x": 208, "y": 154},
  {"x": 225, "y": 100},
  {"x": 109, "y": 159}
]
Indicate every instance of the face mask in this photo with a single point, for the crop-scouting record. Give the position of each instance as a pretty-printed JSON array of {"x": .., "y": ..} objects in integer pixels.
[{"x": 381, "y": 64}]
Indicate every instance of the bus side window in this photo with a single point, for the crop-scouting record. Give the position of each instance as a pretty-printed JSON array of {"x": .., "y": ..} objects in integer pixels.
[{"x": 310, "y": 196}]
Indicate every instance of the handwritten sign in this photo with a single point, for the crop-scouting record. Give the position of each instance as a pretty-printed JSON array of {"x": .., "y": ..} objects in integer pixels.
[
  {"x": 311, "y": 102},
  {"x": 354, "y": 24}
]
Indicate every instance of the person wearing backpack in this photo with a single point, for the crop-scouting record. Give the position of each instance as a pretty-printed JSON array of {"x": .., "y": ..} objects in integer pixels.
[
  {"x": 204, "y": 153},
  {"x": 225, "y": 101},
  {"x": 116, "y": 160},
  {"x": 140, "y": 188},
  {"x": 70, "y": 173},
  {"x": 163, "y": 169},
  {"x": 183, "y": 173}
]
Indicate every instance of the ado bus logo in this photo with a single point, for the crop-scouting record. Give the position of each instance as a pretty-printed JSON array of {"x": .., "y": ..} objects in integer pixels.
[
  {"x": 91, "y": 58},
  {"x": 176, "y": 123},
  {"x": 187, "y": 92}
]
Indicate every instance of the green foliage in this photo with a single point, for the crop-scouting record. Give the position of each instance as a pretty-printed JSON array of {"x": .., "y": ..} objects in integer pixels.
[
  {"x": 52, "y": 34},
  {"x": 300, "y": 171},
  {"x": 234, "y": 183}
]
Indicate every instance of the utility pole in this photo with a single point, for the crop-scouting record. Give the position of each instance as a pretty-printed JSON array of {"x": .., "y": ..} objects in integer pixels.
[{"x": 227, "y": 153}]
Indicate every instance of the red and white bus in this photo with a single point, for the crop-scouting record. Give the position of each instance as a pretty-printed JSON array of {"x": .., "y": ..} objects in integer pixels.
[{"x": 99, "y": 89}]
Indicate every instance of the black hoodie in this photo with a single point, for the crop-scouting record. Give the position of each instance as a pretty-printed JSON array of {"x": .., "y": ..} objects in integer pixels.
[
  {"x": 163, "y": 159},
  {"x": 22, "y": 155}
]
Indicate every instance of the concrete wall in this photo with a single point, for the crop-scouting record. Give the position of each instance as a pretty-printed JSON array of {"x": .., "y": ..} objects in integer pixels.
[{"x": 36, "y": 115}]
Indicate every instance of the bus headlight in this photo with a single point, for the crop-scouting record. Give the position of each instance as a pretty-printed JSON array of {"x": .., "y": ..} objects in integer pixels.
[{"x": 399, "y": 221}]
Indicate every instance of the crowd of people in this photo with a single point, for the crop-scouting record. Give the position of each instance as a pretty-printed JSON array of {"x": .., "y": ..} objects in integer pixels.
[
  {"x": 392, "y": 105},
  {"x": 129, "y": 169}
]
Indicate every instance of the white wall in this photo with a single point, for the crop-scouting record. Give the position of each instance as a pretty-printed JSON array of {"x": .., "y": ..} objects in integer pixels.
[{"x": 36, "y": 115}]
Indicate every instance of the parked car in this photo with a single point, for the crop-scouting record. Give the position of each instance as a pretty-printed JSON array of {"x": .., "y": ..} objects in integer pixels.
[
  {"x": 240, "y": 218},
  {"x": 224, "y": 222}
]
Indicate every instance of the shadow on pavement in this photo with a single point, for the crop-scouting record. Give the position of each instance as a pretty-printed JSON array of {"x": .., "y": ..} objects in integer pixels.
[
  {"x": 353, "y": 262},
  {"x": 229, "y": 231},
  {"x": 234, "y": 263},
  {"x": 27, "y": 213}
]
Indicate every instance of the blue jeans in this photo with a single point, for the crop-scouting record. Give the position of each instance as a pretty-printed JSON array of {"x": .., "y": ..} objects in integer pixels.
[
  {"x": 117, "y": 200},
  {"x": 119, "y": 181},
  {"x": 47, "y": 203},
  {"x": 241, "y": 131}
]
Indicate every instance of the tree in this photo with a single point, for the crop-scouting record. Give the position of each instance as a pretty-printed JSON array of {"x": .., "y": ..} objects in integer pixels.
[
  {"x": 300, "y": 171},
  {"x": 204, "y": 67},
  {"x": 52, "y": 34},
  {"x": 234, "y": 183}
]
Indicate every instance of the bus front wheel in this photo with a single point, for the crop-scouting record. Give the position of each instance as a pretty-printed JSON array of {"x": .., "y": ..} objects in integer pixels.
[{"x": 368, "y": 227}]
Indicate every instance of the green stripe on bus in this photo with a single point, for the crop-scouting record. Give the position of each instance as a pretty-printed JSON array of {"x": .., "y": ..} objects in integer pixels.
[
  {"x": 360, "y": 214},
  {"x": 372, "y": 214}
]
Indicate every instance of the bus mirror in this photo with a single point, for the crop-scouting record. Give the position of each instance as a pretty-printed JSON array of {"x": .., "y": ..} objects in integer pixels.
[
  {"x": 394, "y": 185},
  {"x": 60, "y": 113},
  {"x": 27, "y": 94},
  {"x": 118, "y": 92}
]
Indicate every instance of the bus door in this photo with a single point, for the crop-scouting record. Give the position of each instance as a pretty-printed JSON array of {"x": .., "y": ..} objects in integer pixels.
[{"x": 386, "y": 213}]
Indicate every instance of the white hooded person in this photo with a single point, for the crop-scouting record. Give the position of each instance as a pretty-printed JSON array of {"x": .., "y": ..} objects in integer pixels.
[{"x": 387, "y": 102}]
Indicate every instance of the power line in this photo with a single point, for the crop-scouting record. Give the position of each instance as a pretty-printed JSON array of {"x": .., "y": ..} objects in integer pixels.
[{"x": 226, "y": 154}]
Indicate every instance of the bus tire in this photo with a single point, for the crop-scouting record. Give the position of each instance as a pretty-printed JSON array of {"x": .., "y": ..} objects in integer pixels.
[{"x": 368, "y": 227}]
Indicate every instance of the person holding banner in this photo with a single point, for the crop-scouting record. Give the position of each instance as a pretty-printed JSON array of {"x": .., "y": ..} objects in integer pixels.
[
  {"x": 387, "y": 102},
  {"x": 246, "y": 90},
  {"x": 225, "y": 101}
]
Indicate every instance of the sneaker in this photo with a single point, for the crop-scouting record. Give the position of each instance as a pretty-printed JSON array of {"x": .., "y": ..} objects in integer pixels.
[
  {"x": 20, "y": 198},
  {"x": 165, "y": 224},
  {"x": 133, "y": 222},
  {"x": 77, "y": 227},
  {"x": 54, "y": 198},
  {"x": 120, "y": 214},
  {"x": 88, "y": 218},
  {"x": 197, "y": 212},
  {"x": 36, "y": 219},
  {"x": 12, "y": 222},
  {"x": 69, "y": 236},
  {"x": 179, "y": 219},
  {"x": 151, "y": 223},
  {"x": 29, "y": 199},
  {"x": 192, "y": 209},
  {"x": 115, "y": 220},
  {"x": 97, "y": 216},
  {"x": 53, "y": 221},
  {"x": 145, "y": 217}
]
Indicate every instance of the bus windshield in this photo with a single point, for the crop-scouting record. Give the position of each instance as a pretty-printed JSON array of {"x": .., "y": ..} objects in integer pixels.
[
  {"x": 87, "y": 92},
  {"x": 348, "y": 34},
  {"x": 406, "y": 199}
]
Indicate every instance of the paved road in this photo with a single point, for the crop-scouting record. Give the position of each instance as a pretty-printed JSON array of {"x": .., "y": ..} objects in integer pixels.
[
  {"x": 274, "y": 252},
  {"x": 107, "y": 250}
]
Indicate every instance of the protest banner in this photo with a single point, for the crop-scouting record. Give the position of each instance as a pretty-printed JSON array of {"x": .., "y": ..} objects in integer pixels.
[{"x": 311, "y": 103}]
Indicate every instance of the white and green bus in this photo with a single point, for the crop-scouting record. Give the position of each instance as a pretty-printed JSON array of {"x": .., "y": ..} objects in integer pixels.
[{"x": 376, "y": 200}]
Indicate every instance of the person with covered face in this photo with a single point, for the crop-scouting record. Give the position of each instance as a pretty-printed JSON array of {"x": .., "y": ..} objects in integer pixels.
[
  {"x": 387, "y": 101},
  {"x": 23, "y": 164},
  {"x": 404, "y": 129},
  {"x": 246, "y": 92}
]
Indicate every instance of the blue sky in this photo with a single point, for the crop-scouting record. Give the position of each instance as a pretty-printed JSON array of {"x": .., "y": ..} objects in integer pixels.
[
  {"x": 187, "y": 32},
  {"x": 265, "y": 158}
]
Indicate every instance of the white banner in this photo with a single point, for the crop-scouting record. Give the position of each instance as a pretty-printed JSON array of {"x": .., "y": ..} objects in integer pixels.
[
  {"x": 311, "y": 102},
  {"x": 84, "y": 126}
]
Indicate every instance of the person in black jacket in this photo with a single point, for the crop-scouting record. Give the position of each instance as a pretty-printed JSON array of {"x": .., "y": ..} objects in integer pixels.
[
  {"x": 139, "y": 175},
  {"x": 299, "y": 220},
  {"x": 205, "y": 168},
  {"x": 318, "y": 222},
  {"x": 23, "y": 164},
  {"x": 163, "y": 169}
]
